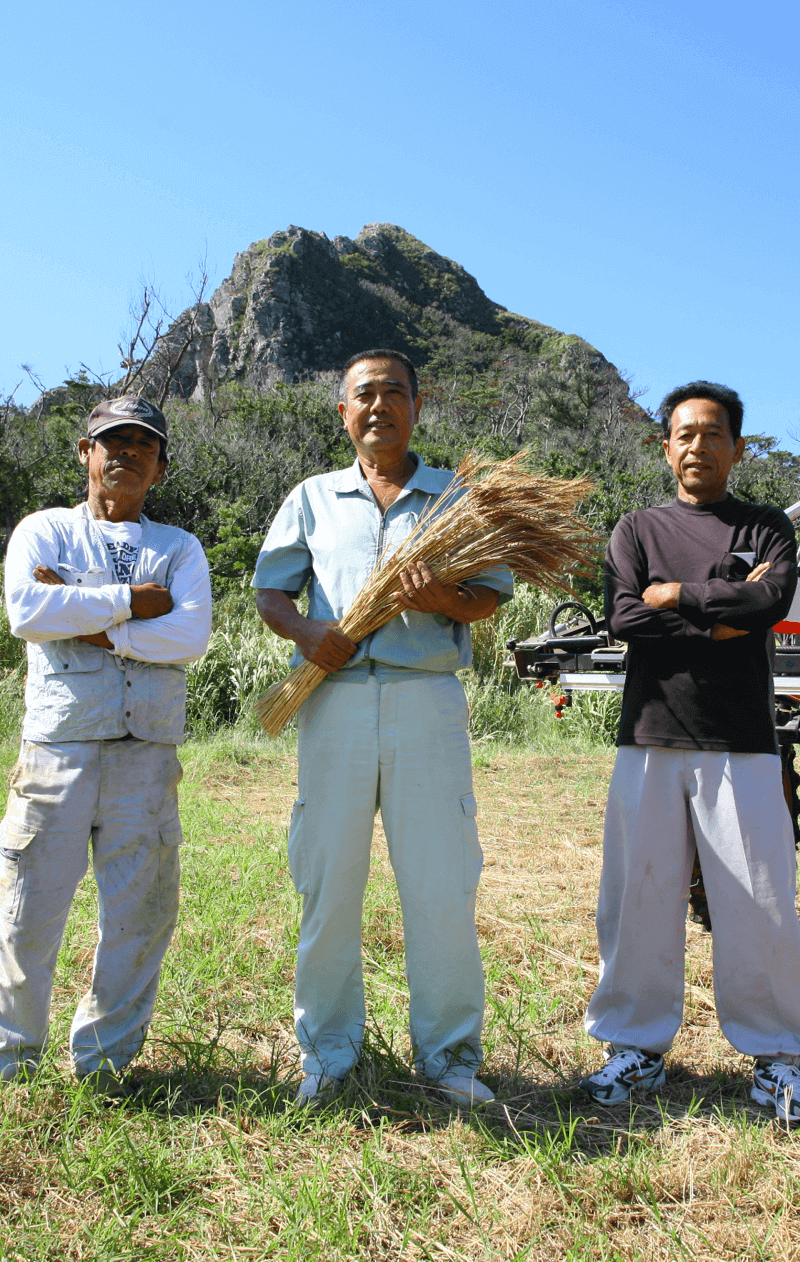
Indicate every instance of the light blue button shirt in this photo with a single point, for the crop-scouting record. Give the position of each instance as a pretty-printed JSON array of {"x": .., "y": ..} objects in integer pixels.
[{"x": 330, "y": 533}]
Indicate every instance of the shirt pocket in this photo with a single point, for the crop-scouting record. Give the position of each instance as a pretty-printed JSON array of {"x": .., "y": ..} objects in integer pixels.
[
  {"x": 735, "y": 566},
  {"x": 73, "y": 577},
  {"x": 66, "y": 657}
]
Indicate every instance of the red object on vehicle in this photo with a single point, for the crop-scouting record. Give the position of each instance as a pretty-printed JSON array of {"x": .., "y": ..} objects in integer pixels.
[{"x": 791, "y": 623}]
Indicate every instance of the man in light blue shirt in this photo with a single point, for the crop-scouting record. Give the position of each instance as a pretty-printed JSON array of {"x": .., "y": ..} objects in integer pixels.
[{"x": 387, "y": 728}]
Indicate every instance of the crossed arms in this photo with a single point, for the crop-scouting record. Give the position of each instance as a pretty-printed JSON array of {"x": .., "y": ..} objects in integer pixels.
[
  {"x": 667, "y": 596},
  {"x": 146, "y": 622},
  {"x": 148, "y": 600},
  {"x": 716, "y": 609}
]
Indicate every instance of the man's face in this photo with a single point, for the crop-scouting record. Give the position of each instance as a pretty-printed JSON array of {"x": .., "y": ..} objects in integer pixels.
[
  {"x": 379, "y": 411},
  {"x": 123, "y": 461},
  {"x": 701, "y": 450}
]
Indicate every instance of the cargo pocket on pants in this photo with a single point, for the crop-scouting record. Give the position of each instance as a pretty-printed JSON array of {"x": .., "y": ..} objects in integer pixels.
[
  {"x": 473, "y": 855},
  {"x": 13, "y": 864},
  {"x": 169, "y": 867},
  {"x": 298, "y": 855}
]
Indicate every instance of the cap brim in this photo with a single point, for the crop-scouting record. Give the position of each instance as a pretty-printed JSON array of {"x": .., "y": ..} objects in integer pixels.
[{"x": 119, "y": 422}]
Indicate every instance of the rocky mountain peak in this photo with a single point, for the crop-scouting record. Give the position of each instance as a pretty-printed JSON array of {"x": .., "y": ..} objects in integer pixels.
[{"x": 297, "y": 303}]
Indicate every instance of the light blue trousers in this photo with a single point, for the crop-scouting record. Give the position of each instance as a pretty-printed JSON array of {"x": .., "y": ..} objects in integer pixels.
[
  {"x": 122, "y": 794},
  {"x": 401, "y": 745},
  {"x": 661, "y": 802}
]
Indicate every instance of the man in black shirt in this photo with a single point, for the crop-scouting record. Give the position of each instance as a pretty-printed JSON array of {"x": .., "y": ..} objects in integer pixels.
[{"x": 695, "y": 587}]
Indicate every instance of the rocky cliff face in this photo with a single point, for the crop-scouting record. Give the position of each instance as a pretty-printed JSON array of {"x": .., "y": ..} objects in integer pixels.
[{"x": 298, "y": 303}]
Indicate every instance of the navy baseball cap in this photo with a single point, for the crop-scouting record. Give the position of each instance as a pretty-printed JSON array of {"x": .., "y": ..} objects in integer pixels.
[{"x": 129, "y": 410}]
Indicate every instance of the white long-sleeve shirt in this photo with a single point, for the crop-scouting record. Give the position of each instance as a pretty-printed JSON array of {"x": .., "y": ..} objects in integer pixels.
[{"x": 77, "y": 691}]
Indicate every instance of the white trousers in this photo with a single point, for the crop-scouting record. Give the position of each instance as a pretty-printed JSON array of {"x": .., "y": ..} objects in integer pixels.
[
  {"x": 402, "y": 746},
  {"x": 660, "y": 802},
  {"x": 124, "y": 795}
]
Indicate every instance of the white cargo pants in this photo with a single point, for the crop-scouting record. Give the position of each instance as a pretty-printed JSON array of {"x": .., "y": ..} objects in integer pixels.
[
  {"x": 368, "y": 741},
  {"x": 124, "y": 795},
  {"x": 660, "y": 802}
]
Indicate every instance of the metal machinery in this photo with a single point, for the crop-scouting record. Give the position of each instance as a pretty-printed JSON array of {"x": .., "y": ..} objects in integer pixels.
[{"x": 577, "y": 654}]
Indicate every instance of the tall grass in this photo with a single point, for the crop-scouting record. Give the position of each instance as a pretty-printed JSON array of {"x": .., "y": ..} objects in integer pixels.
[
  {"x": 12, "y": 677},
  {"x": 12, "y": 683},
  {"x": 243, "y": 660}
]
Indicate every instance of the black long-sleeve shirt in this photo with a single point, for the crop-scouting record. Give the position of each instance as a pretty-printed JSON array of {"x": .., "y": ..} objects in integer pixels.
[{"x": 684, "y": 690}]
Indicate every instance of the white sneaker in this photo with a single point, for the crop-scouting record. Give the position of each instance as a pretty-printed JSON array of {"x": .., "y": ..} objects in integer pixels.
[
  {"x": 464, "y": 1090},
  {"x": 628, "y": 1068},
  {"x": 778, "y": 1084},
  {"x": 318, "y": 1089}
]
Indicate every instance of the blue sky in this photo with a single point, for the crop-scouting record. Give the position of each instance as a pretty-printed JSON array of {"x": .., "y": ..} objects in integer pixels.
[{"x": 627, "y": 171}]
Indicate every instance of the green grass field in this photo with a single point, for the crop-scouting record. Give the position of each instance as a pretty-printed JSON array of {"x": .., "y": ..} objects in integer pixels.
[{"x": 208, "y": 1160}]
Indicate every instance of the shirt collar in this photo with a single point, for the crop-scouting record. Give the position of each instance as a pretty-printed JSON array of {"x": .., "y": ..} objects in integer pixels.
[
  {"x": 713, "y": 506},
  {"x": 422, "y": 479},
  {"x": 83, "y": 510}
]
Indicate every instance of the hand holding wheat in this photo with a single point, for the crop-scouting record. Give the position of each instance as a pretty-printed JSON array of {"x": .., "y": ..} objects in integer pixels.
[{"x": 492, "y": 514}]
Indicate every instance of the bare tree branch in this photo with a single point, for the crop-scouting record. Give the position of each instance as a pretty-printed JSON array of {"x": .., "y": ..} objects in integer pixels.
[
  {"x": 33, "y": 377},
  {"x": 129, "y": 357}
]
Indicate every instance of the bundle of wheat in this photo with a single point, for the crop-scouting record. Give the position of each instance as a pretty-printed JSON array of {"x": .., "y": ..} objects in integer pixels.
[{"x": 492, "y": 513}]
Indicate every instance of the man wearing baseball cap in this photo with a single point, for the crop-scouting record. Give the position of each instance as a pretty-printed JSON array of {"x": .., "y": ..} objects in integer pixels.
[{"x": 112, "y": 606}]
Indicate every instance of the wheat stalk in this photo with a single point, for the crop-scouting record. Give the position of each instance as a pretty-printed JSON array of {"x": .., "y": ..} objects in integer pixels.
[{"x": 492, "y": 513}]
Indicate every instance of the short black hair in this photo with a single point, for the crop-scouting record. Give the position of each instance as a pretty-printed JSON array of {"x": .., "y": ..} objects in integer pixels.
[
  {"x": 379, "y": 353},
  {"x": 723, "y": 395}
]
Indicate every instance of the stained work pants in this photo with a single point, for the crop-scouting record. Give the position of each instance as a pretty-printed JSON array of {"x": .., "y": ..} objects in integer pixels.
[
  {"x": 660, "y": 802},
  {"x": 372, "y": 741},
  {"x": 122, "y": 795}
]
